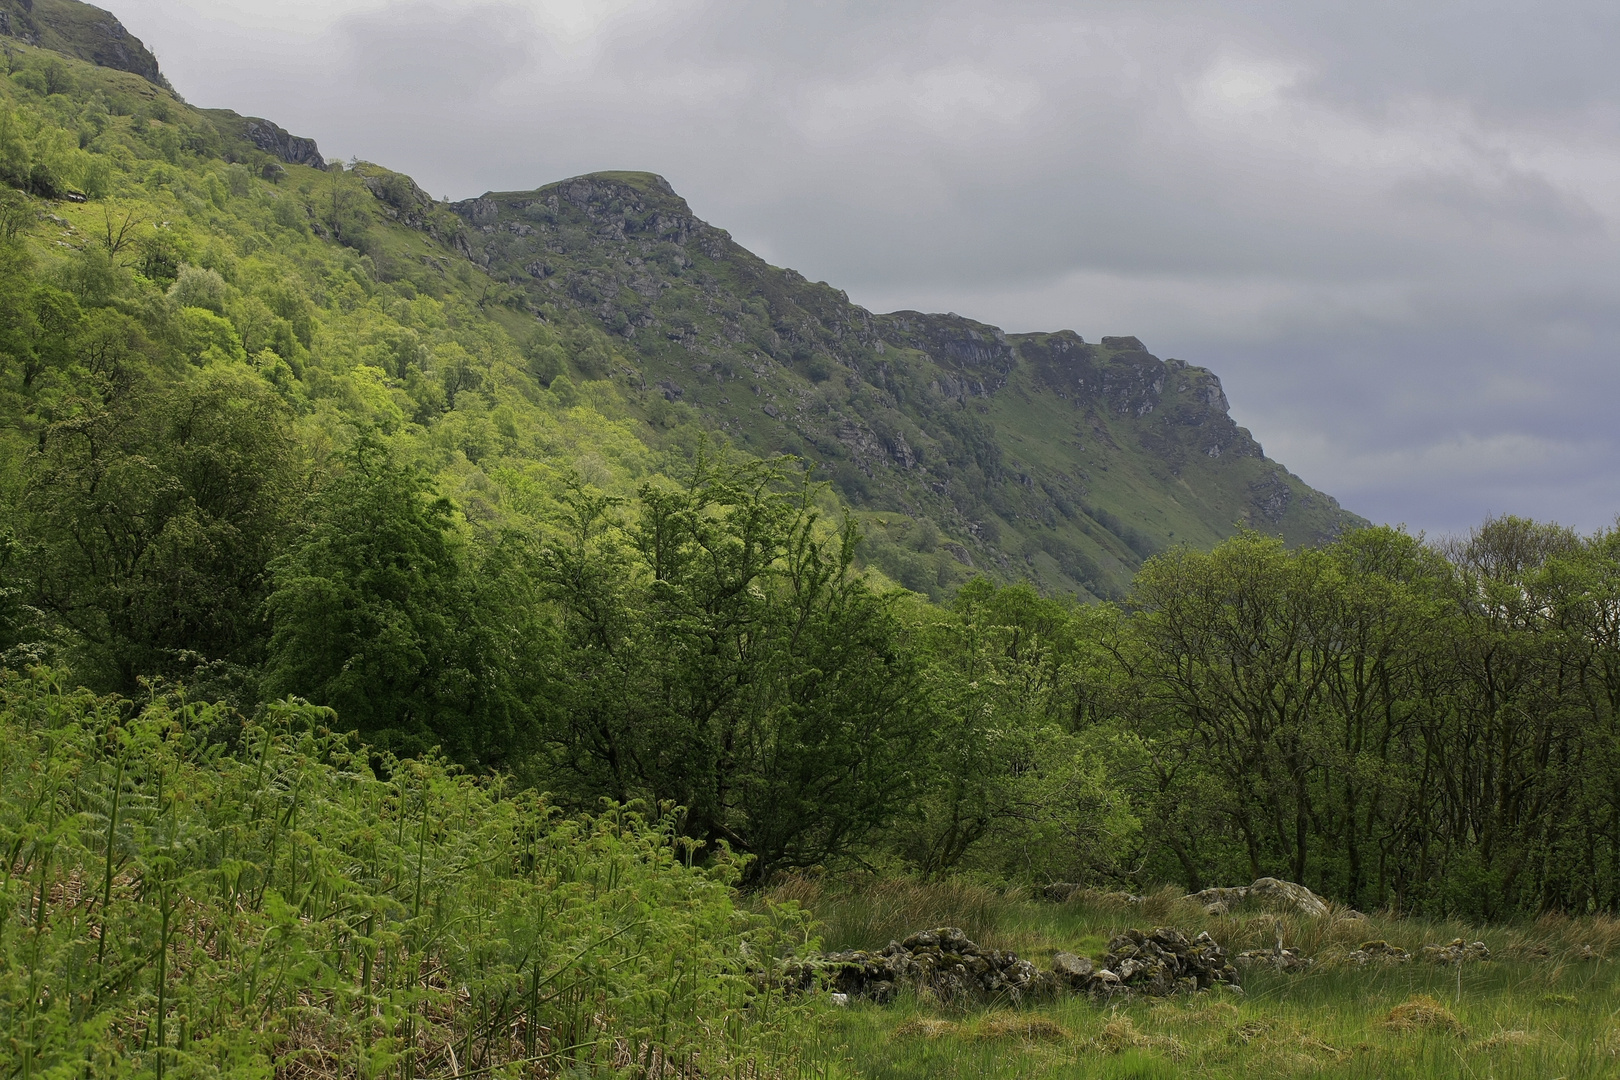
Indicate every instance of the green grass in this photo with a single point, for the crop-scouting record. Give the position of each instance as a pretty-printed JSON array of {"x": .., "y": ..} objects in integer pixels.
[{"x": 1544, "y": 1007}]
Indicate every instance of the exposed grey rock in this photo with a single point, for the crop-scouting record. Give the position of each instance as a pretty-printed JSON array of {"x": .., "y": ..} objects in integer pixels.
[
  {"x": 274, "y": 139},
  {"x": 1071, "y": 967},
  {"x": 942, "y": 962},
  {"x": 947, "y": 965},
  {"x": 1457, "y": 952},
  {"x": 1378, "y": 952},
  {"x": 1269, "y": 893},
  {"x": 1164, "y": 962}
]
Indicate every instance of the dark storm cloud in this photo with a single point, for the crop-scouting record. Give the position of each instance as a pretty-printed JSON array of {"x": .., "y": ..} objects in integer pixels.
[{"x": 1390, "y": 227}]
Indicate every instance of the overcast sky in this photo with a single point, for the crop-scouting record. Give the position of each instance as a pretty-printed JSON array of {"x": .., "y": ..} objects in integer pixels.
[{"x": 1389, "y": 227}]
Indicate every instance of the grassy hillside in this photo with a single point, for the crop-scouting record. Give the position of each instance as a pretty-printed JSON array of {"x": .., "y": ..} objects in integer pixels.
[
  {"x": 289, "y": 451},
  {"x": 81, "y": 31},
  {"x": 961, "y": 449},
  {"x": 965, "y": 448}
]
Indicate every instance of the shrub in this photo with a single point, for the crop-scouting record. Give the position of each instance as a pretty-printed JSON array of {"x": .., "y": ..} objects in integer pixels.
[{"x": 172, "y": 907}]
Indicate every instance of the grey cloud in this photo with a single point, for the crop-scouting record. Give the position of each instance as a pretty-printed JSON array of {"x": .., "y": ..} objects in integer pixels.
[
  {"x": 1390, "y": 227},
  {"x": 435, "y": 49}
]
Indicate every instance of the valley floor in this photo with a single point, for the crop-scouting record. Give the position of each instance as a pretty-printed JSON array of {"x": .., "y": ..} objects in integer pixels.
[{"x": 1544, "y": 1006}]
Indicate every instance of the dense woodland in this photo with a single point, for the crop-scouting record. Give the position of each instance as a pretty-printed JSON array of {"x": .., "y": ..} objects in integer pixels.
[{"x": 273, "y": 468}]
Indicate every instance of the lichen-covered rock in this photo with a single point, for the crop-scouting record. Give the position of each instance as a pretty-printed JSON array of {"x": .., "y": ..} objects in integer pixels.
[
  {"x": 1165, "y": 962},
  {"x": 1073, "y": 969},
  {"x": 1378, "y": 952},
  {"x": 942, "y": 962},
  {"x": 1270, "y": 893},
  {"x": 1457, "y": 952},
  {"x": 946, "y": 964}
]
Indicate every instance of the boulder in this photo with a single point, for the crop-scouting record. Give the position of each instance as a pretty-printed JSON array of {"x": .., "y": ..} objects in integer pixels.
[
  {"x": 1074, "y": 970},
  {"x": 1270, "y": 893}
]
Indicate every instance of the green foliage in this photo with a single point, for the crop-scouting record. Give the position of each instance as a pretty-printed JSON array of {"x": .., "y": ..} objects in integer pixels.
[
  {"x": 717, "y": 652},
  {"x": 377, "y": 614},
  {"x": 172, "y": 909},
  {"x": 153, "y": 510},
  {"x": 1392, "y": 724},
  {"x": 271, "y": 432}
]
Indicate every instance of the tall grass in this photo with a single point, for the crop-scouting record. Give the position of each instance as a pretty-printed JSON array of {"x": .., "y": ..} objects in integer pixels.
[
  {"x": 1546, "y": 1006},
  {"x": 171, "y": 909}
]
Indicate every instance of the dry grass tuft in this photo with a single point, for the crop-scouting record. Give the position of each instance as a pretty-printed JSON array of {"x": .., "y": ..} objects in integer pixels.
[
  {"x": 1312, "y": 1045},
  {"x": 1502, "y": 1039},
  {"x": 924, "y": 1027},
  {"x": 801, "y": 889},
  {"x": 864, "y": 913},
  {"x": 1115, "y": 903},
  {"x": 1166, "y": 907},
  {"x": 1121, "y": 1034},
  {"x": 1031, "y": 1028},
  {"x": 1422, "y": 1013}
]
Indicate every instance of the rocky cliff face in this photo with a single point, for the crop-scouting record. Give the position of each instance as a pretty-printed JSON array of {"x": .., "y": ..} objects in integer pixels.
[
  {"x": 1039, "y": 455},
  {"x": 80, "y": 30},
  {"x": 277, "y": 140}
]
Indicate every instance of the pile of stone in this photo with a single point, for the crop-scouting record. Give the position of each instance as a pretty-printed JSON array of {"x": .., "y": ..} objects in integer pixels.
[
  {"x": 1269, "y": 893},
  {"x": 945, "y": 964},
  {"x": 1378, "y": 952},
  {"x": 1288, "y": 961},
  {"x": 1161, "y": 963},
  {"x": 1457, "y": 952},
  {"x": 942, "y": 962}
]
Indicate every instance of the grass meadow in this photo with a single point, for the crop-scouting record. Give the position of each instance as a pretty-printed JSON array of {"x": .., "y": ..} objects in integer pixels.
[{"x": 1544, "y": 1007}]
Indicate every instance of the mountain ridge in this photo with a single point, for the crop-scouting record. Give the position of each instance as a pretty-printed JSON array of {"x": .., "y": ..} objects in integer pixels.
[
  {"x": 906, "y": 411},
  {"x": 82, "y": 31},
  {"x": 959, "y": 448}
]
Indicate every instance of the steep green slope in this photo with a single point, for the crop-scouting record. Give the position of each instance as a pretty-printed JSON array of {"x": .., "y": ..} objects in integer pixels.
[
  {"x": 966, "y": 448},
  {"x": 961, "y": 449},
  {"x": 81, "y": 31}
]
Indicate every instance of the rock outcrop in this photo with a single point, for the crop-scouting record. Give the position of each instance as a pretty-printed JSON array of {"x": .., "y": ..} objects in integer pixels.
[
  {"x": 1269, "y": 893},
  {"x": 278, "y": 141},
  {"x": 82, "y": 31}
]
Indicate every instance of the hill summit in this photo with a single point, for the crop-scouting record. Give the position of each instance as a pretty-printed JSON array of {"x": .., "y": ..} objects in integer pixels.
[
  {"x": 81, "y": 31},
  {"x": 1036, "y": 454},
  {"x": 960, "y": 448}
]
